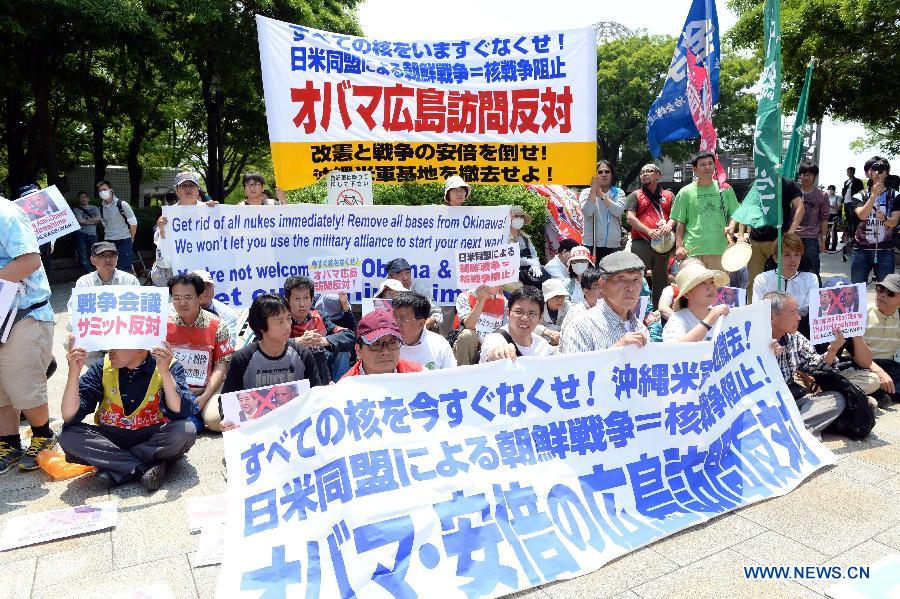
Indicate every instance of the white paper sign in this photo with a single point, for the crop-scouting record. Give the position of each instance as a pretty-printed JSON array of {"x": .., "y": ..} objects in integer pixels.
[
  {"x": 196, "y": 364},
  {"x": 211, "y": 546},
  {"x": 337, "y": 274},
  {"x": 494, "y": 267},
  {"x": 119, "y": 316},
  {"x": 843, "y": 307},
  {"x": 350, "y": 188},
  {"x": 206, "y": 511},
  {"x": 50, "y": 215},
  {"x": 39, "y": 527},
  {"x": 251, "y": 404}
]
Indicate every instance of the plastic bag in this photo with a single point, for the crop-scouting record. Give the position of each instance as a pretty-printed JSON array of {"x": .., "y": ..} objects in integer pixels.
[{"x": 54, "y": 463}]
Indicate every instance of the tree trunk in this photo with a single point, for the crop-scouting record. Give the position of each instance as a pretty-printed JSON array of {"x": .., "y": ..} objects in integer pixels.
[
  {"x": 15, "y": 140},
  {"x": 135, "y": 170},
  {"x": 98, "y": 135},
  {"x": 40, "y": 87},
  {"x": 213, "y": 172}
]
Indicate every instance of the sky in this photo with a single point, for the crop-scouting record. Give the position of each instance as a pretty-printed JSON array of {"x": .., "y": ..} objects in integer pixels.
[{"x": 430, "y": 19}]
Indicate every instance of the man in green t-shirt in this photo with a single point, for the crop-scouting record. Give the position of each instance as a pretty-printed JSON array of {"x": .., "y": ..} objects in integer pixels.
[{"x": 702, "y": 213}]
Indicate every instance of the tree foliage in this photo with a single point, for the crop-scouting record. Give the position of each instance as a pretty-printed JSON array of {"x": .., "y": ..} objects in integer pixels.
[
  {"x": 631, "y": 71},
  {"x": 855, "y": 44}
]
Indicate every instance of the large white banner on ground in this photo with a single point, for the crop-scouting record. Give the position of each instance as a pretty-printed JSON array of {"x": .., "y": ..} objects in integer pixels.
[
  {"x": 250, "y": 251},
  {"x": 502, "y": 476}
]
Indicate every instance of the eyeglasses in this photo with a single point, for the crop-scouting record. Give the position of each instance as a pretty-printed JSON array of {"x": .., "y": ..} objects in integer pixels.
[
  {"x": 391, "y": 344},
  {"x": 186, "y": 298},
  {"x": 403, "y": 321},
  {"x": 885, "y": 290},
  {"x": 648, "y": 171},
  {"x": 520, "y": 313},
  {"x": 253, "y": 184}
]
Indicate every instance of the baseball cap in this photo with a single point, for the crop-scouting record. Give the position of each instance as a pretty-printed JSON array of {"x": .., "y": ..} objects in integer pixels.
[
  {"x": 891, "y": 283},
  {"x": 398, "y": 265},
  {"x": 187, "y": 176},
  {"x": 377, "y": 324},
  {"x": 103, "y": 246}
]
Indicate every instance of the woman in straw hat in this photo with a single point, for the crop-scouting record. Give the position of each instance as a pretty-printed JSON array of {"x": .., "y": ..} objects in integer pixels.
[{"x": 696, "y": 286}]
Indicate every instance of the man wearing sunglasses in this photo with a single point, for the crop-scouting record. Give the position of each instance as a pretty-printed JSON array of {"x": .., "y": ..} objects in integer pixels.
[
  {"x": 877, "y": 353},
  {"x": 378, "y": 341},
  {"x": 874, "y": 214}
]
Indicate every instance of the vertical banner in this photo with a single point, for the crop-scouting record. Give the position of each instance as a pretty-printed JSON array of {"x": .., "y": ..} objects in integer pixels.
[
  {"x": 699, "y": 94},
  {"x": 119, "y": 316},
  {"x": 669, "y": 118},
  {"x": 759, "y": 207},
  {"x": 513, "y": 475},
  {"x": 505, "y": 110}
]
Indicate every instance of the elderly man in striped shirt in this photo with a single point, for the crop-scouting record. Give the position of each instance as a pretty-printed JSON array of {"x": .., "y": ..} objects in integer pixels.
[{"x": 612, "y": 322}]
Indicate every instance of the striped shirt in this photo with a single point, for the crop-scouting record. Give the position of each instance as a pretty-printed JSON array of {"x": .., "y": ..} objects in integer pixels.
[{"x": 598, "y": 328}]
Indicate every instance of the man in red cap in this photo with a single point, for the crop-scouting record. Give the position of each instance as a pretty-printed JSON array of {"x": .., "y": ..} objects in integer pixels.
[{"x": 378, "y": 343}]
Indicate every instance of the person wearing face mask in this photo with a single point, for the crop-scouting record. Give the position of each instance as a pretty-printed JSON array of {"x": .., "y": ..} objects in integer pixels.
[
  {"x": 119, "y": 224},
  {"x": 579, "y": 261},
  {"x": 696, "y": 314},
  {"x": 602, "y": 205},
  {"x": 530, "y": 270}
]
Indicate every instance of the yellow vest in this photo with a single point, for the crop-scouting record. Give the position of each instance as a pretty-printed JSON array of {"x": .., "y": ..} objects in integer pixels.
[{"x": 111, "y": 411}]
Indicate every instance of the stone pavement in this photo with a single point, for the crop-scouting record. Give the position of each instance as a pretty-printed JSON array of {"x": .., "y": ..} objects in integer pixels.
[{"x": 844, "y": 515}]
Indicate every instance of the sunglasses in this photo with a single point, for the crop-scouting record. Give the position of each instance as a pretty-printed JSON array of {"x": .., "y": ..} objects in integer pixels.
[
  {"x": 604, "y": 172},
  {"x": 885, "y": 290},
  {"x": 878, "y": 169}
]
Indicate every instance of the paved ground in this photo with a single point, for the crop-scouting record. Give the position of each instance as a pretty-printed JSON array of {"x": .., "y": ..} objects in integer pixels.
[{"x": 845, "y": 515}]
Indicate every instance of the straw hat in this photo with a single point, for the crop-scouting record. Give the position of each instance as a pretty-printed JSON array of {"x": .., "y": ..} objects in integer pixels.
[{"x": 693, "y": 274}]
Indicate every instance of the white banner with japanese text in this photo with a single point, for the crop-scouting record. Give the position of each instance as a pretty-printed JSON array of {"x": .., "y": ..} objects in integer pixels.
[
  {"x": 249, "y": 251},
  {"x": 502, "y": 109},
  {"x": 503, "y": 476}
]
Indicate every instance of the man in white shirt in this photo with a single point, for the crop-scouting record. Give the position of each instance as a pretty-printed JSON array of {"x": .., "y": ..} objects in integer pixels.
[
  {"x": 517, "y": 338},
  {"x": 411, "y": 311},
  {"x": 795, "y": 283},
  {"x": 119, "y": 224},
  {"x": 104, "y": 257},
  {"x": 558, "y": 266}
]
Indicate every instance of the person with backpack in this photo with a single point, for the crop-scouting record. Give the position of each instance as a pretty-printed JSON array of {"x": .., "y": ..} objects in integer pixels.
[
  {"x": 119, "y": 224},
  {"x": 88, "y": 217},
  {"x": 874, "y": 215}
]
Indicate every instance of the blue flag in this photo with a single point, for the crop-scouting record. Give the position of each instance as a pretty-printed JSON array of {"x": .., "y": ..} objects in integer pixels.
[{"x": 669, "y": 118}]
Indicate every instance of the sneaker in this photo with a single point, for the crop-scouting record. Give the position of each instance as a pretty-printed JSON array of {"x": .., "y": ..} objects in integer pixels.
[
  {"x": 8, "y": 456},
  {"x": 29, "y": 458},
  {"x": 105, "y": 479},
  {"x": 152, "y": 478}
]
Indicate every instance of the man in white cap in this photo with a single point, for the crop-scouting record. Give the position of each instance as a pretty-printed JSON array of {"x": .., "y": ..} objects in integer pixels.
[
  {"x": 104, "y": 257},
  {"x": 187, "y": 189},
  {"x": 456, "y": 191},
  {"x": 612, "y": 322}
]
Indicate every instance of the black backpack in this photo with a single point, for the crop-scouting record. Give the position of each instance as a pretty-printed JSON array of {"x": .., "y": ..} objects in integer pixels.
[{"x": 857, "y": 420}]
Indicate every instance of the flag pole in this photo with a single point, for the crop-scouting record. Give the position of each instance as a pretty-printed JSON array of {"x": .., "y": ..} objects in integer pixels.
[{"x": 778, "y": 200}]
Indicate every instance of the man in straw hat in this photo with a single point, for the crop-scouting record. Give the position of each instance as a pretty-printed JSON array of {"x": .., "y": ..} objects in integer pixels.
[{"x": 612, "y": 322}]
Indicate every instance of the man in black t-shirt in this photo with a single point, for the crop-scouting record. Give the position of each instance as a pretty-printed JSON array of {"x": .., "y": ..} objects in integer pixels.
[
  {"x": 761, "y": 238},
  {"x": 273, "y": 358}
]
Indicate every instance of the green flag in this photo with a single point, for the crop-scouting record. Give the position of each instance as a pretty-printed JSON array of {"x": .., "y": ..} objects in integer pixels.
[
  {"x": 760, "y": 207},
  {"x": 792, "y": 156}
]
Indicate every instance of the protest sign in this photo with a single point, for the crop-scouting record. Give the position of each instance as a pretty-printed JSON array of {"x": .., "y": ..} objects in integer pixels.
[
  {"x": 511, "y": 474},
  {"x": 376, "y": 303},
  {"x": 196, "y": 364},
  {"x": 843, "y": 307},
  {"x": 119, "y": 316},
  {"x": 8, "y": 292},
  {"x": 493, "y": 267},
  {"x": 50, "y": 215},
  {"x": 249, "y": 252},
  {"x": 500, "y": 110},
  {"x": 734, "y": 297},
  {"x": 250, "y": 404},
  {"x": 40, "y": 527},
  {"x": 350, "y": 188},
  {"x": 210, "y": 546},
  {"x": 336, "y": 275}
]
